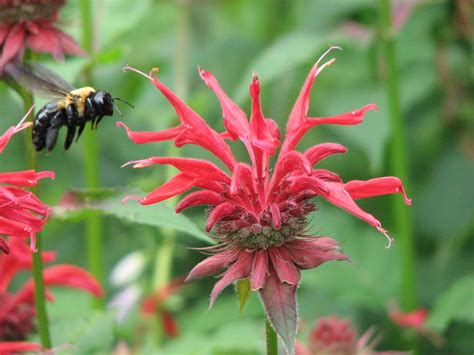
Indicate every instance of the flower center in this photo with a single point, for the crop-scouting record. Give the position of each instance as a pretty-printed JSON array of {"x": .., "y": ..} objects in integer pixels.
[
  {"x": 18, "y": 323},
  {"x": 20, "y": 11},
  {"x": 245, "y": 233}
]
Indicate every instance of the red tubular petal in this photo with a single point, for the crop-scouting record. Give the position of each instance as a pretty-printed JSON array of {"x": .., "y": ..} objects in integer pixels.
[
  {"x": 284, "y": 266},
  {"x": 340, "y": 197},
  {"x": 300, "y": 183},
  {"x": 46, "y": 40},
  {"x": 239, "y": 270},
  {"x": 202, "y": 197},
  {"x": 376, "y": 187},
  {"x": 4, "y": 248},
  {"x": 345, "y": 119},
  {"x": 13, "y": 44},
  {"x": 307, "y": 254},
  {"x": 213, "y": 264},
  {"x": 291, "y": 162},
  {"x": 150, "y": 137},
  {"x": 235, "y": 120},
  {"x": 259, "y": 270},
  {"x": 275, "y": 215},
  {"x": 197, "y": 131},
  {"x": 72, "y": 276},
  {"x": 26, "y": 178},
  {"x": 242, "y": 179},
  {"x": 174, "y": 186},
  {"x": 221, "y": 211},
  {"x": 326, "y": 175},
  {"x": 14, "y": 347},
  {"x": 318, "y": 152},
  {"x": 69, "y": 45},
  {"x": 191, "y": 167}
]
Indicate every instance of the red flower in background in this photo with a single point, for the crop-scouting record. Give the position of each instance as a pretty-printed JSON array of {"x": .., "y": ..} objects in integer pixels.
[
  {"x": 22, "y": 214},
  {"x": 30, "y": 23},
  {"x": 335, "y": 336},
  {"x": 17, "y": 316},
  {"x": 154, "y": 305},
  {"x": 259, "y": 214}
]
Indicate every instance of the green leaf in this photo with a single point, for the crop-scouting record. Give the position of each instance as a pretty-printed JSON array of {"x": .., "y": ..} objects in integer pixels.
[
  {"x": 242, "y": 287},
  {"x": 284, "y": 55},
  {"x": 457, "y": 303},
  {"x": 108, "y": 202}
]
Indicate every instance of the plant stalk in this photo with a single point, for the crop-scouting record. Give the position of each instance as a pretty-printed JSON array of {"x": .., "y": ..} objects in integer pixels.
[
  {"x": 399, "y": 160},
  {"x": 271, "y": 338},
  {"x": 164, "y": 256},
  {"x": 94, "y": 226},
  {"x": 32, "y": 161}
]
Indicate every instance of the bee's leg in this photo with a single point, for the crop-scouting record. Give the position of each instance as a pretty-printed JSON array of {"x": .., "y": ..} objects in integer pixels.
[
  {"x": 71, "y": 132},
  {"x": 93, "y": 121},
  {"x": 98, "y": 121},
  {"x": 81, "y": 129},
  {"x": 52, "y": 133},
  {"x": 51, "y": 138},
  {"x": 72, "y": 115}
]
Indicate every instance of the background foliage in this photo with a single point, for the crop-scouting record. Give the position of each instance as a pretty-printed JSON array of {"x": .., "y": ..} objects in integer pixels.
[{"x": 279, "y": 40}]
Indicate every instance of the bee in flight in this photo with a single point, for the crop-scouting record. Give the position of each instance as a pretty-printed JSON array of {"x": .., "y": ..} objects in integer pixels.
[{"x": 71, "y": 107}]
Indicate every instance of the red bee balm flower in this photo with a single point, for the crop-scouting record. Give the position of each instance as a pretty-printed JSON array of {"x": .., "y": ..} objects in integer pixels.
[
  {"x": 31, "y": 24},
  {"x": 22, "y": 214},
  {"x": 17, "y": 316},
  {"x": 260, "y": 217}
]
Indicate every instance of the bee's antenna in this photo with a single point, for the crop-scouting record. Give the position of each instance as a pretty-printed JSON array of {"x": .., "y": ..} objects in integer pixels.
[
  {"x": 122, "y": 100},
  {"x": 118, "y": 110}
]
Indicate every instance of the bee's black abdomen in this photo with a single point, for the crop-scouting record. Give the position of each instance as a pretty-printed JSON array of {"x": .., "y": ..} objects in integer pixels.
[{"x": 49, "y": 115}]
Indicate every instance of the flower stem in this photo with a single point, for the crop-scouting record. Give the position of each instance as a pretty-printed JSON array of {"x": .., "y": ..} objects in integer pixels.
[
  {"x": 271, "y": 337},
  {"x": 164, "y": 256},
  {"x": 399, "y": 161},
  {"x": 94, "y": 226},
  {"x": 32, "y": 161}
]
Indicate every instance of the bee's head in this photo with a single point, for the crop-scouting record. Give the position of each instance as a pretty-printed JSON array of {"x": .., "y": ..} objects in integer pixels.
[{"x": 104, "y": 103}]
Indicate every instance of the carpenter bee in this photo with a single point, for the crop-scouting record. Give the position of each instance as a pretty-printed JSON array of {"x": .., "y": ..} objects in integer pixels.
[{"x": 71, "y": 107}]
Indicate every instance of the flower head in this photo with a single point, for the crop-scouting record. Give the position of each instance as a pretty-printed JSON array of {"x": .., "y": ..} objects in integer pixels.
[
  {"x": 22, "y": 214},
  {"x": 17, "y": 318},
  {"x": 335, "y": 336},
  {"x": 31, "y": 24},
  {"x": 259, "y": 214}
]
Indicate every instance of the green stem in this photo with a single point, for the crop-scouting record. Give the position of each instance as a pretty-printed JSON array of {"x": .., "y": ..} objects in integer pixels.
[
  {"x": 94, "y": 226},
  {"x": 164, "y": 256},
  {"x": 271, "y": 337},
  {"x": 40, "y": 301},
  {"x": 399, "y": 161}
]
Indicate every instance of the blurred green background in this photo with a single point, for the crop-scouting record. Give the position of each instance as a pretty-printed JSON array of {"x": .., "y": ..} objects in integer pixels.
[{"x": 279, "y": 40}]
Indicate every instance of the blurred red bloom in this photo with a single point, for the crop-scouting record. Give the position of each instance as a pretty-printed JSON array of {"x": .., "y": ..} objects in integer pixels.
[
  {"x": 415, "y": 319},
  {"x": 154, "y": 305},
  {"x": 17, "y": 316},
  {"x": 22, "y": 214},
  {"x": 335, "y": 336},
  {"x": 260, "y": 214},
  {"x": 30, "y": 24}
]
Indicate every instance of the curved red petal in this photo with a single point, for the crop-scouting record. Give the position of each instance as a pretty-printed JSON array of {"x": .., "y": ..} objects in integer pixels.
[
  {"x": 202, "y": 197},
  {"x": 221, "y": 211},
  {"x": 320, "y": 151},
  {"x": 72, "y": 276},
  {"x": 213, "y": 264},
  {"x": 376, "y": 187},
  {"x": 239, "y": 270}
]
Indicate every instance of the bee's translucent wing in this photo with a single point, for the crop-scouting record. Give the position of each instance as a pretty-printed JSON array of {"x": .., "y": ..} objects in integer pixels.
[{"x": 38, "y": 80}]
